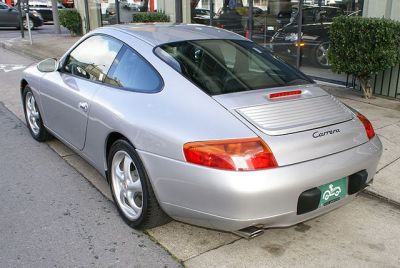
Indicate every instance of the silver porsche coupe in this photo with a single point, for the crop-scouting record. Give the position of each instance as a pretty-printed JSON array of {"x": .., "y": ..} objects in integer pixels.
[{"x": 201, "y": 125}]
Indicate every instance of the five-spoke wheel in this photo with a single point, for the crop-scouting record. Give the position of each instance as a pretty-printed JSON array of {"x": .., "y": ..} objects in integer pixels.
[
  {"x": 33, "y": 117},
  {"x": 131, "y": 188},
  {"x": 32, "y": 113},
  {"x": 127, "y": 185}
]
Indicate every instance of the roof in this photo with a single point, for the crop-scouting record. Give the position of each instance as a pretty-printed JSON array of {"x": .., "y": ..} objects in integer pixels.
[{"x": 161, "y": 33}]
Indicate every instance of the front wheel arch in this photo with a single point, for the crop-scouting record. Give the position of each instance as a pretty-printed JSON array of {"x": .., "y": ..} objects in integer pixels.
[
  {"x": 23, "y": 84},
  {"x": 111, "y": 138}
]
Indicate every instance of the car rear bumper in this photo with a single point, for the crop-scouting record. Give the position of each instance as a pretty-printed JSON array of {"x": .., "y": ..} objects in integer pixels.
[{"x": 230, "y": 201}]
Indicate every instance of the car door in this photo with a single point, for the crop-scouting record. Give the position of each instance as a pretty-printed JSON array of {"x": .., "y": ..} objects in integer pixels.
[
  {"x": 66, "y": 95},
  {"x": 2, "y": 15},
  {"x": 8, "y": 16}
]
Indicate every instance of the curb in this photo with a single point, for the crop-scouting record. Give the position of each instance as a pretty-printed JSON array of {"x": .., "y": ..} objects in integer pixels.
[
  {"x": 382, "y": 198},
  {"x": 7, "y": 46}
]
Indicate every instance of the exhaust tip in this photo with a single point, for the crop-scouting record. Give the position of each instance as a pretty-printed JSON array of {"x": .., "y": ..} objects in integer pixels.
[{"x": 249, "y": 232}]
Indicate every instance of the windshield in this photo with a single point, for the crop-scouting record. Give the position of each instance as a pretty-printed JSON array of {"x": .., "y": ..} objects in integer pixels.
[{"x": 228, "y": 66}]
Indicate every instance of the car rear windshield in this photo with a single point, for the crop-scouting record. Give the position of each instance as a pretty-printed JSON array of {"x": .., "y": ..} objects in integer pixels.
[{"x": 228, "y": 66}]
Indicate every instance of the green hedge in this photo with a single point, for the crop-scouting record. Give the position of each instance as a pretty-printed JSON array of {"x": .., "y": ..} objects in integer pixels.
[
  {"x": 363, "y": 47},
  {"x": 150, "y": 17},
  {"x": 70, "y": 19}
]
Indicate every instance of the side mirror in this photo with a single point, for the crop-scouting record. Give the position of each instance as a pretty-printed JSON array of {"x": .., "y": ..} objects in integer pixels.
[{"x": 48, "y": 65}]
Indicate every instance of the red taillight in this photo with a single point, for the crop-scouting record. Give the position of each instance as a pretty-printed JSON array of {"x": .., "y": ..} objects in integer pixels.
[
  {"x": 367, "y": 125},
  {"x": 284, "y": 94},
  {"x": 239, "y": 155}
]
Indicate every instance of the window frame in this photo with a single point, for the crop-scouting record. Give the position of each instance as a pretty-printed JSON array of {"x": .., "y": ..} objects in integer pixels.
[
  {"x": 65, "y": 59},
  {"x": 310, "y": 80}
]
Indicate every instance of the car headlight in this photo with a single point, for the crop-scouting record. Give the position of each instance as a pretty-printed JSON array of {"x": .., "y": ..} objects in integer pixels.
[
  {"x": 36, "y": 14},
  {"x": 293, "y": 37}
]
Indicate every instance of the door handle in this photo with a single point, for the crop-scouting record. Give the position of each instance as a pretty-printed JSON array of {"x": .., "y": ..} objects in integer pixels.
[{"x": 84, "y": 106}]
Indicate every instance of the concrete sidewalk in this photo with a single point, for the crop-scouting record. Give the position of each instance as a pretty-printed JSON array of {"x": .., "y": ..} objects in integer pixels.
[
  {"x": 44, "y": 45},
  {"x": 198, "y": 247}
]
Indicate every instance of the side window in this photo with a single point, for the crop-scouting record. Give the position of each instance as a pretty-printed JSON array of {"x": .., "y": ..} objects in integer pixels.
[
  {"x": 93, "y": 57},
  {"x": 131, "y": 72},
  {"x": 308, "y": 15}
]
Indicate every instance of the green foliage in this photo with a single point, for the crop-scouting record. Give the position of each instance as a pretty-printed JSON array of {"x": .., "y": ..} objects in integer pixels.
[
  {"x": 70, "y": 19},
  {"x": 150, "y": 17},
  {"x": 363, "y": 46}
]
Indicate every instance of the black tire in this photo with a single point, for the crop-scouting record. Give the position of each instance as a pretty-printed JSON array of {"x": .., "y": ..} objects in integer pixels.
[
  {"x": 151, "y": 215},
  {"x": 42, "y": 134},
  {"x": 31, "y": 23},
  {"x": 320, "y": 55}
]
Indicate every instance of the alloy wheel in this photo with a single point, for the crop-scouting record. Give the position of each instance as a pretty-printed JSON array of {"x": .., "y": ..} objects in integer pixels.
[
  {"x": 25, "y": 24},
  {"x": 127, "y": 185},
  {"x": 322, "y": 54},
  {"x": 32, "y": 113}
]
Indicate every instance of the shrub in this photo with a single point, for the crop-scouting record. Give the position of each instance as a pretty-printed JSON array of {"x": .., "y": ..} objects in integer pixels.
[
  {"x": 363, "y": 47},
  {"x": 150, "y": 17},
  {"x": 70, "y": 19}
]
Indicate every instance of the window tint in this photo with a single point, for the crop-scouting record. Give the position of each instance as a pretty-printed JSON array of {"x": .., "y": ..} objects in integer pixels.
[
  {"x": 130, "y": 71},
  {"x": 3, "y": 6},
  {"x": 227, "y": 66},
  {"x": 93, "y": 57}
]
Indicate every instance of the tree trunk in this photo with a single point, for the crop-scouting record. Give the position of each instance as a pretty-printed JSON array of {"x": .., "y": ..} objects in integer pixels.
[
  {"x": 366, "y": 87},
  {"x": 145, "y": 6},
  {"x": 56, "y": 20}
]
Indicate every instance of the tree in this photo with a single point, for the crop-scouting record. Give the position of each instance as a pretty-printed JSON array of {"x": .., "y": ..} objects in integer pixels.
[
  {"x": 56, "y": 20},
  {"x": 363, "y": 47}
]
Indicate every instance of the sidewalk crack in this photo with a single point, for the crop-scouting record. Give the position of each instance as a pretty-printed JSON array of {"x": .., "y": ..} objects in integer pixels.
[
  {"x": 398, "y": 158},
  {"x": 220, "y": 246}
]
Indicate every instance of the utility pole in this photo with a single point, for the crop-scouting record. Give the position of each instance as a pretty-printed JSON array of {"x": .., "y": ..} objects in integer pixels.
[
  {"x": 56, "y": 20},
  {"x": 299, "y": 33},
  {"x": 178, "y": 11},
  {"x": 250, "y": 20},
  {"x": 21, "y": 25},
  {"x": 211, "y": 12}
]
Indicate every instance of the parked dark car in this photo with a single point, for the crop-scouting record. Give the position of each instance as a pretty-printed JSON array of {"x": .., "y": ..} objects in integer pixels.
[
  {"x": 232, "y": 19},
  {"x": 315, "y": 42},
  {"x": 313, "y": 14},
  {"x": 9, "y": 17},
  {"x": 201, "y": 12},
  {"x": 315, "y": 36},
  {"x": 44, "y": 8}
]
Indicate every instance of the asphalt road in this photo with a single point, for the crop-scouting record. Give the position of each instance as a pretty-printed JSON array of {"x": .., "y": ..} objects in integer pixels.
[{"x": 49, "y": 214}]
